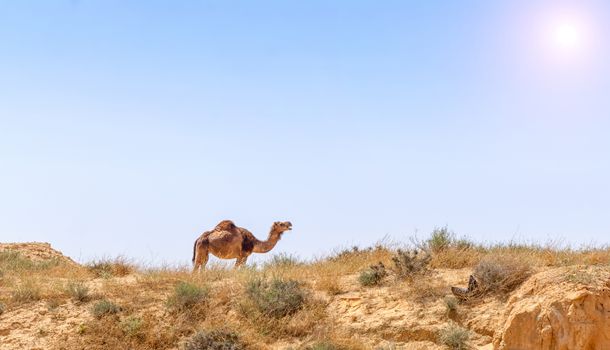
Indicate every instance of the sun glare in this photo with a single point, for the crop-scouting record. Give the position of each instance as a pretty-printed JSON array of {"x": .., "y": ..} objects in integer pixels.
[{"x": 567, "y": 36}]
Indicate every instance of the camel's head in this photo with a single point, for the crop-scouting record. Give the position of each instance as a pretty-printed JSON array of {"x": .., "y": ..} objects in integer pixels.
[{"x": 281, "y": 227}]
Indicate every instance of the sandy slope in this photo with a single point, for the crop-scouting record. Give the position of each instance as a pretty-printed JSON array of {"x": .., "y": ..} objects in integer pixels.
[{"x": 554, "y": 307}]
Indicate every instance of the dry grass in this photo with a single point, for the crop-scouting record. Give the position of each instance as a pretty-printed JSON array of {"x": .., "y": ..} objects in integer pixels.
[
  {"x": 78, "y": 291},
  {"x": 501, "y": 274},
  {"x": 105, "y": 307},
  {"x": 257, "y": 312},
  {"x": 106, "y": 268},
  {"x": 214, "y": 340},
  {"x": 425, "y": 289},
  {"x": 26, "y": 292}
]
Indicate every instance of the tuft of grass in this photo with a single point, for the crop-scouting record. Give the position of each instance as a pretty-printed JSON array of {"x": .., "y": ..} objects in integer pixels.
[
  {"x": 330, "y": 284},
  {"x": 501, "y": 274},
  {"x": 214, "y": 340},
  {"x": 580, "y": 277},
  {"x": 186, "y": 296},
  {"x": 455, "y": 337},
  {"x": 105, "y": 268},
  {"x": 283, "y": 260},
  {"x": 451, "y": 305},
  {"x": 425, "y": 289},
  {"x": 410, "y": 263},
  {"x": 276, "y": 298},
  {"x": 322, "y": 346},
  {"x": 105, "y": 307},
  {"x": 132, "y": 326},
  {"x": 78, "y": 291},
  {"x": 26, "y": 293},
  {"x": 373, "y": 275},
  {"x": 2, "y": 308}
]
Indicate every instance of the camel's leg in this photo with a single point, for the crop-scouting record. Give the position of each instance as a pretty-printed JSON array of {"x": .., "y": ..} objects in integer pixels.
[
  {"x": 201, "y": 254},
  {"x": 241, "y": 261}
]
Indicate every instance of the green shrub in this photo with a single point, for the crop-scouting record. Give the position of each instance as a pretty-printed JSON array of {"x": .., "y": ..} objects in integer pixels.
[
  {"x": 440, "y": 239},
  {"x": 186, "y": 296},
  {"x": 26, "y": 292},
  {"x": 409, "y": 263},
  {"x": 455, "y": 337},
  {"x": 78, "y": 291},
  {"x": 131, "y": 326},
  {"x": 105, "y": 307},
  {"x": 277, "y": 298},
  {"x": 373, "y": 275},
  {"x": 214, "y": 340}
]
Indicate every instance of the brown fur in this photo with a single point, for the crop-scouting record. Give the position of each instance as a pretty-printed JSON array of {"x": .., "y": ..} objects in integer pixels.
[{"x": 227, "y": 241}]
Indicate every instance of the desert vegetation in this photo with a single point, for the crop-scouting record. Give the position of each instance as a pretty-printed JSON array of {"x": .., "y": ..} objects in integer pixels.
[{"x": 334, "y": 302}]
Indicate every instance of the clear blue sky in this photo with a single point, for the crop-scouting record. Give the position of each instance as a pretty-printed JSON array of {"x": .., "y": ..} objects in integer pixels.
[{"x": 129, "y": 127}]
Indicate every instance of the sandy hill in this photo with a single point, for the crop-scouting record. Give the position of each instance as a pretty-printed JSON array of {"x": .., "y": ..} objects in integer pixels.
[{"x": 526, "y": 298}]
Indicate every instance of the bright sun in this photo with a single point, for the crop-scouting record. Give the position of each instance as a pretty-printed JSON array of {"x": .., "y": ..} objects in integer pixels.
[{"x": 567, "y": 36}]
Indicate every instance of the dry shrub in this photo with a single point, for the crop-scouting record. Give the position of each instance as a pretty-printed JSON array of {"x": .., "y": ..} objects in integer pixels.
[
  {"x": 26, "y": 292},
  {"x": 135, "y": 333},
  {"x": 333, "y": 343},
  {"x": 2, "y": 308},
  {"x": 283, "y": 260},
  {"x": 329, "y": 284},
  {"x": 456, "y": 258},
  {"x": 309, "y": 319},
  {"x": 78, "y": 291},
  {"x": 424, "y": 289},
  {"x": 349, "y": 261},
  {"x": 407, "y": 264},
  {"x": 451, "y": 305},
  {"x": 106, "y": 268},
  {"x": 214, "y": 340},
  {"x": 501, "y": 274},
  {"x": 578, "y": 276}
]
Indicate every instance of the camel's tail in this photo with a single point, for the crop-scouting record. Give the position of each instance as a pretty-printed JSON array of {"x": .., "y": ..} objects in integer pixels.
[{"x": 195, "y": 250}]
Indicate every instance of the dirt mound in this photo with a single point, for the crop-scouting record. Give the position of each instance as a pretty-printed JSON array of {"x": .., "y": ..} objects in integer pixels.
[
  {"x": 36, "y": 251},
  {"x": 563, "y": 308},
  {"x": 403, "y": 318}
]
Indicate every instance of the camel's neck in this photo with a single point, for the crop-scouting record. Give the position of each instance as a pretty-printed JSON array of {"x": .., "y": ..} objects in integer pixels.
[{"x": 265, "y": 246}]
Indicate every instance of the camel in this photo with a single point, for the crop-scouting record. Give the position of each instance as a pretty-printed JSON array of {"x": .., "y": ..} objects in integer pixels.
[{"x": 228, "y": 241}]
